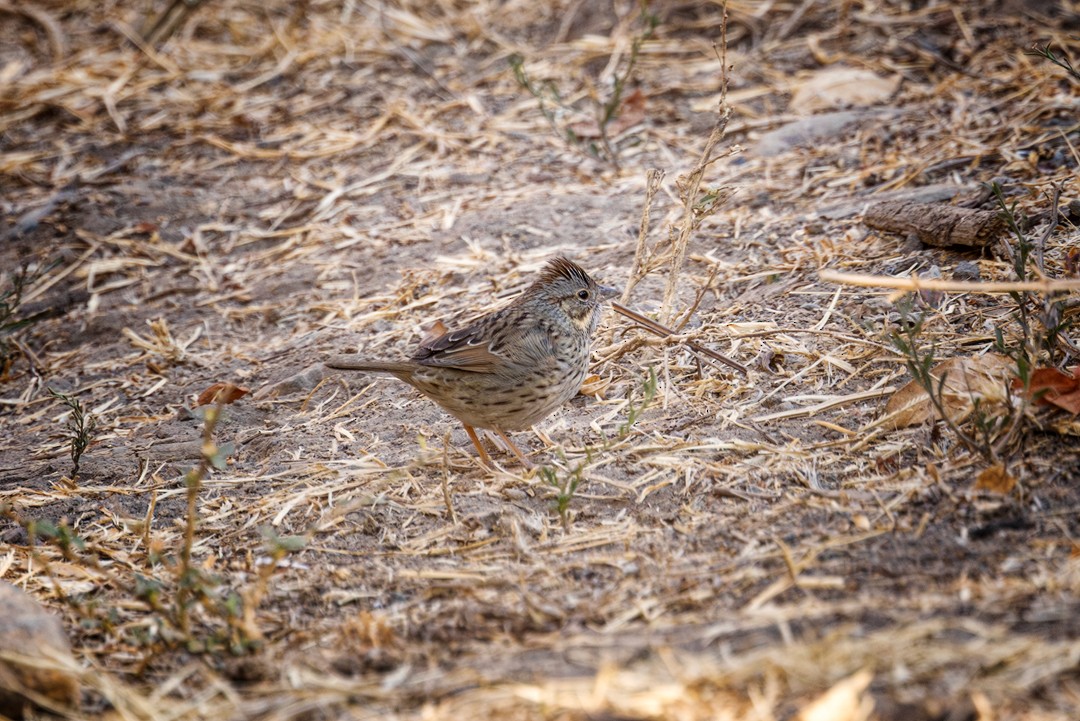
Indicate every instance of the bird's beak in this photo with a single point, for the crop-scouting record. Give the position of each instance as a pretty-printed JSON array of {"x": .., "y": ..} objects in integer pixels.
[{"x": 607, "y": 292}]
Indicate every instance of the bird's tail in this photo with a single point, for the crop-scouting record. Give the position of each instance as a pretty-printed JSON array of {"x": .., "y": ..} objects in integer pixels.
[{"x": 355, "y": 363}]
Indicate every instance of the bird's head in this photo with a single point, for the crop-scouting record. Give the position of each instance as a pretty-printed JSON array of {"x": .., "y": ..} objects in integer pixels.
[{"x": 567, "y": 286}]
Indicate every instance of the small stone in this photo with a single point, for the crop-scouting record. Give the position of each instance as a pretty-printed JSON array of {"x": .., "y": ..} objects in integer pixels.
[
  {"x": 1073, "y": 209},
  {"x": 816, "y": 129},
  {"x": 966, "y": 270},
  {"x": 29, "y": 630},
  {"x": 912, "y": 244}
]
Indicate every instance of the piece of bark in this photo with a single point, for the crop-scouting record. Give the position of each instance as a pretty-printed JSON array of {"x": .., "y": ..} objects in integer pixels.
[
  {"x": 936, "y": 224},
  {"x": 29, "y": 631}
]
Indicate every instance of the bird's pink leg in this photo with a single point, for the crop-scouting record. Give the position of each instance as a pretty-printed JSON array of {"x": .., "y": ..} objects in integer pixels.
[
  {"x": 516, "y": 451},
  {"x": 484, "y": 458}
]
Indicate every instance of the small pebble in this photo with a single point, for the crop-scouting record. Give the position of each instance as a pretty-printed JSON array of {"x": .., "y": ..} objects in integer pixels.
[{"x": 966, "y": 270}]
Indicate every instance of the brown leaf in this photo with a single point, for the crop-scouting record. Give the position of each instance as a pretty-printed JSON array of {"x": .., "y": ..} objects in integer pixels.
[
  {"x": 1067, "y": 402},
  {"x": 595, "y": 386},
  {"x": 995, "y": 479},
  {"x": 221, "y": 393},
  {"x": 1049, "y": 386},
  {"x": 839, "y": 87},
  {"x": 634, "y": 101},
  {"x": 966, "y": 378},
  {"x": 434, "y": 331},
  {"x": 1072, "y": 262}
]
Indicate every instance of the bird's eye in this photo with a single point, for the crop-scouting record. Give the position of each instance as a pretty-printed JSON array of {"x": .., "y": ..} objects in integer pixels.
[{"x": 583, "y": 294}]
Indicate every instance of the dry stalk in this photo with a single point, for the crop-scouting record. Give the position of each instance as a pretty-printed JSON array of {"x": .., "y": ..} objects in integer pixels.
[
  {"x": 162, "y": 27},
  {"x": 640, "y": 269},
  {"x": 689, "y": 186},
  {"x": 698, "y": 297},
  {"x": 446, "y": 479},
  {"x": 692, "y": 214},
  {"x": 193, "y": 482}
]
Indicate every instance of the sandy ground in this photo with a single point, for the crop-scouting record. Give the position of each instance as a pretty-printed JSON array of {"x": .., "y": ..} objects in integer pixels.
[{"x": 279, "y": 182}]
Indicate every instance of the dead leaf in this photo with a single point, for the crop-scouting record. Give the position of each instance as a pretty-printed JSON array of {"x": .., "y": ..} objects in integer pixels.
[
  {"x": 594, "y": 386},
  {"x": 966, "y": 378},
  {"x": 434, "y": 331},
  {"x": 224, "y": 393},
  {"x": 843, "y": 702},
  {"x": 1072, "y": 262},
  {"x": 842, "y": 88},
  {"x": 995, "y": 479},
  {"x": 1049, "y": 386},
  {"x": 932, "y": 298}
]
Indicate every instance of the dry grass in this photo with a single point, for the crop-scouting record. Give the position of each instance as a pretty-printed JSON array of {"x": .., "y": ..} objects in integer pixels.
[{"x": 282, "y": 181}]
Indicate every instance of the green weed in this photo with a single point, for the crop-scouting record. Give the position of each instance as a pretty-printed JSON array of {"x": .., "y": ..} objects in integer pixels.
[
  {"x": 566, "y": 486},
  {"x": 190, "y": 606},
  {"x": 1039, "y": 340},
  {"x": 633, "y": 412},
  {"x": 81, "y": 425},
  {"x": 1061, "y": 61},
  {"x": 11, "y": 298},
  {"x": 553, "y": 106}
]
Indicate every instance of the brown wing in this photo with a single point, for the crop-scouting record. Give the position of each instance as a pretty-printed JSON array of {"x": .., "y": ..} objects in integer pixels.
[
  {"x": 468, "y": 349},
  {"x": 500, "y": 342}
]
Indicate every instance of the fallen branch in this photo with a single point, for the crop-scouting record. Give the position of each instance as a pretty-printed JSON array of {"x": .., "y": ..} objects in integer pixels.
[
  {"x": 866, "y": 280},
  {"x": 937, "y": 224}
]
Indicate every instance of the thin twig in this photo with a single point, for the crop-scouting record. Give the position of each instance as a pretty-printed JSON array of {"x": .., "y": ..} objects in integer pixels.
[
  {"x": 1040, "y": 246},
  {"x": 446, "y": 478},
  {"x": 663, "y": 331},
  {"x": 681, "y": 323},
  {"x": 693, "y": 183},
  {"x": 653, "y": 178},
  {"x": 168, "y": 22},
  {"x": 52, "y": 28}
]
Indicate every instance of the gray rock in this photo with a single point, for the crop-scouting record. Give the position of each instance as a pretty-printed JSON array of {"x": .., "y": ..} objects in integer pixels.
[
  {"x": 966, "y": 270},
  {"x": 29, "y": 630},
  {"x": 814, "y": 130}
]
